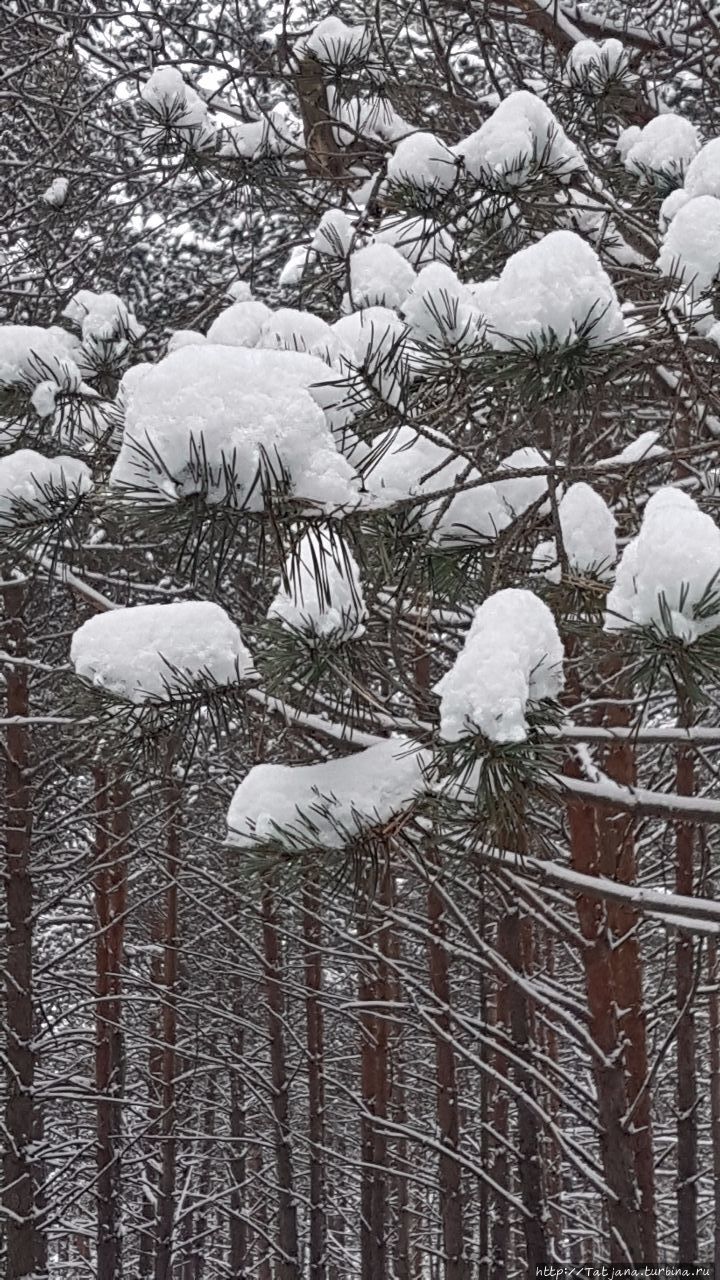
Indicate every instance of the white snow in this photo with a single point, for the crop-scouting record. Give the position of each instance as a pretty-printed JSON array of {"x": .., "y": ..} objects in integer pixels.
[
  {"x": 557, "y": 286},
  {"x": 667, "y": 570},
  {"x": 102, "y": 316},
  {"x": 28, "y": 478},
  {"x": 324, "y": 595},
  {"x": 590, "y": 64},
  {"x": 374, "y": 339},
  {"x": 439, "y": 308},
  {"x": 420, "y": 240},
  {"x": 291, "y": 330},
  {"x": 28, "y": 352},
  {"x": 666, "y": 145},
  {"x": 333, "y": 235},
  {"x": 185, "y": 338},
  {"x": 422, "y": 160},
  {"x": 521, "y": 133},
  {"x": 644, "y": 446},
  {"x": 150, "y": 652},
  {"x": 379, "y": 277},
  {"x": 512, "y": 658},
  {"x": 670, "y": 206},
  {"x": 588, "y": 533},
  {"x": 331, "y": 803},
  {"x": 703, "y": 172},
  {"x": 691, "y": 248},
  {"x": 239, "y": 325},
  {"x": 56, "y": 194},
  {"x": 521, "y": 492},
  {"x": 239, "y": 291},
  {"x": 292, "y": 273},
  {"x": 169, "y": 97},
  {"x": 335, "y": 44},
  {"x": 213, "y": 420}
]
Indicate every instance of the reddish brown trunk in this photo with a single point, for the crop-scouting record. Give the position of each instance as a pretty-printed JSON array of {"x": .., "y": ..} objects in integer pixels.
[
  {"x": 687, "y": 1091},
  {"x": 530, "y": 1163},
  {"x": 168, "y": 1139},
  {"x": 312, "y": 940},
  {"x": 110, "y": 885},
  {"x": 237, "y": 1162},
  {"x": 260, "y": 1216},
  {"x": 622, "y": 1204},
  {"x": 373, "y": 1084},
  {"x": 500, "y": 1236},
  {"x": 450, "y": 1176},
  {"x": 24, "y": 1250},
  {"x": 287, "y": 1267},
  {"x": 146, "y": 1248}
]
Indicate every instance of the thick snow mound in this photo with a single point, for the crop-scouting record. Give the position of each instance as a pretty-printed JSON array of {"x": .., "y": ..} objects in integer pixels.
[
  {"x": 331, "y": 803},
  {"x": 440, "y": 308},
  {"x": 666, "y": 145},
  {"x": 324, "y": 596},
  {"x": 703, "y": 172},
  {"x": 556, "y": 286},
  {"x": 423, "y": 161},
  {"x": 27, "y": 352},
  {"x": 668, "y": 570},
  {"x": 29, "y": 479},
  {"x": 379, "y": 277},
  {"x": 335, "y": 44},
  {"x": 420, "y": 240},
  {"x": 588, "y": 533},
  {"x": 232, "y": 425},
  {"x": 152, "y": 652},
  {"x": 173, "y": 101},
  {"x": 521, "y": 133},
  {"x": 102, "y": 316},
  {"x": 512, "y": 658},
  {"x": 591, "y": 65},
  {"x": 691, "y": 248},
  {"x": 292, "y": 330},
  {"x": 520, "y": 492},
  {"x": 333, "y": 235},
  {"x": 239, "y": 325}
]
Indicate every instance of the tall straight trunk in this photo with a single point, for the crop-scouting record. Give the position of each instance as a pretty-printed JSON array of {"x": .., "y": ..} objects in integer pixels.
[
  {"x": 714, "y": 1057},
  {"x": 288, "y": 1266},
  {"x": 618, "y": 862},
  {"x": 622, "y": 1204},
  {"x": 24, "y": 1250},
  {"x": 260, "y": 1216},
  {"x": 686, "y": 1070},
  {"x": 398, "y": 1103},
  {"x": 499, "y": 1015},
  {"x": 373, "y": 1086},
  {"x": 146, "y": 1246},
  {"x": 168, "y": 1118},
  {"x": 312, "y": 939},
  {"x": 447, "y": 1107},
  {"x": 110, "y": 888},
  {"x": 530, "y": 1161},
  {"x": 238, "y": 1162}
]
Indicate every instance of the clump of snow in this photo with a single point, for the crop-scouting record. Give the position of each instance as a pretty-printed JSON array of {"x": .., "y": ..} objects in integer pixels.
[
  {"x": 439, "y": 308},
  {"x": 703, "y": 172},
  {"x": 57, "y": 193},
  {"x": 420, "y": 240},
  {"x": 323, "y": 597},
  {"x": 275, "y": 134},
  {"x": 291, "y": 330},
  {"x": 332, "y": 803},
  {"x": 664, "y": 147},
  {"x": 520, "y": 492},
  {"x": 369, "y": 117},
  {"x": 691, "y": 247},
  {"x": 151, "y": 652},
  {"x": 239, "y": 291},
  {"x": 422, "y": 161},
  {"x": 102, "y": 316},
  {"x": 28, "y": 352},
  {"x": 592, "y": 65},
  {"x": 588, "y": 534},
  {"x": 66, "y": 379},
  {"x": 294, "y": 269},
  {"x": 231, "y": 425},
  {"x": 379, "y": 277},
  {"x": 29, "y": 479},
  {"x": 374, "y": 340},
  {"x": 176, "y": 104},
  {"x": 185, "y": 338},
  {"x": 521, "y": 134},
  {"x": 334, "y": 44},
  {"x": 239, "y": 325},
  {"x": 668, "y": 571},
  {"x": 512, "y": 658},
  {"x": 556, "y": 287},
  {"x": 333, "y": 235},
  {"x": 404, "y": 463},
  {"x": 644, "y": 446},
  {"x": 670, "y": 206}
]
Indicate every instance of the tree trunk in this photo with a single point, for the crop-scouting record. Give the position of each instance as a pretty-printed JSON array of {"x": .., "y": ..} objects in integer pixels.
[
  {"x": 23, "y": 1244},
  {"x": 312, "y": 939},
  {"x": 288, "y": 1263},
  {"x": 687, "y": 1091},
  {"x": 168, "y": 1139},
  {"x": 373, "y": 1083},
  {"x": 714, "y": 1055},
  {"x": 238, "y": 1160},
  {"x": 110, "y": 884}
]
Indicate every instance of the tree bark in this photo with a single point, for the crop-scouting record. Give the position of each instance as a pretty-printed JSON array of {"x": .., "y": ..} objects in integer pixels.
[
  {"x": 686, "y": 1070},
  {"x": 24, "y": 1251},
  {"x": 714, "y": 1056},
  {"x": 168, "y": 1118},
  {"x": 312, "y": 939}
]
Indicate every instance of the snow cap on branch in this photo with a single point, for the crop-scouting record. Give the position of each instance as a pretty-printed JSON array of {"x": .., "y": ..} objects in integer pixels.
[
  {"x": 329, "y": 804},
  {"x": 588, "y": 534},
  {"x": 336, "y": 45},
  {"x": 28, "y": 352},
  {"x": 154, "y": 652},
  {"x": 691, "y": 248},
  {"x": 422, "y": 161},
  {"x": 522, "y": 133},
  {"x": 664, "y": 147},
  {"x": 379, "y": 277},
  {"x": 30, "y": 480},
  {"x": 324, "y": 596},
  {"x": 102, "y": 316},
  {"x": 176, "y": 105},
  {"x": 592, "y": 65},
  {"x": 239, "y": 325},
  {"x": 512, "y": 658},
  {"x": 556, "y": 287},
  {"x": 667, "y": 577}
]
